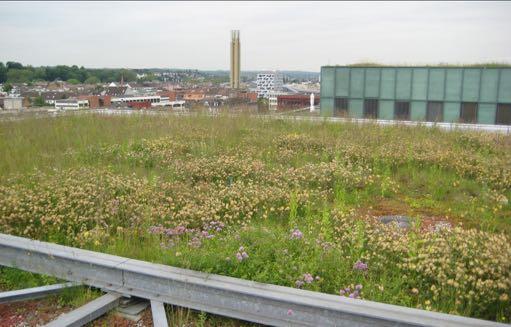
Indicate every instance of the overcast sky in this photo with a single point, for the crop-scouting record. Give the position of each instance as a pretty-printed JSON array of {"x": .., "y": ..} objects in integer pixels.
[{"x": 276, "y": 35}]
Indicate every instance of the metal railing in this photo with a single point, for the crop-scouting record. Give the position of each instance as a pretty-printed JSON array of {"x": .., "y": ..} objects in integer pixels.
[
  {"x": 226, "y": 296},
  {"x": 502, "y": 129}
]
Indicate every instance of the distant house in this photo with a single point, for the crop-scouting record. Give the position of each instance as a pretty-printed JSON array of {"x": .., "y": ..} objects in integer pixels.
[
  {"x": 172, "y": 95},
  {"x": 115, "y": 91},
  {"x": 193, "y": 96},
  {"x": 52, "y": 96}
]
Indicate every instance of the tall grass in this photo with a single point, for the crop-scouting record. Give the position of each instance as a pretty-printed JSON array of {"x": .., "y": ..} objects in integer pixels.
[{"x": 297, "y": 198}]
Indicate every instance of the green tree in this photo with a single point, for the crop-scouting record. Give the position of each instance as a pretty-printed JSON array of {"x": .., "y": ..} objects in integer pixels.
[
  {"x": 92, "y": 80},
  {"x": 262, "y": 104},
  {"x": 3, "y": 72},
  {"x": 7, "y": 87},
  {"x": 19, "y": 75},
  {"x": 73, "y": 81},
  {"x": 40, "y": 73},
  {"x": 14, "y": 65},
  {"x": 39, "y": 102},
  {"x": 149, "y": 77},
  {"x": 127, "y": 75}
]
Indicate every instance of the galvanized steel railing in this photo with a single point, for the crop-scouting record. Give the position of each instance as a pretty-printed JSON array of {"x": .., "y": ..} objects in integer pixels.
[{"x": 226, "y": 296}]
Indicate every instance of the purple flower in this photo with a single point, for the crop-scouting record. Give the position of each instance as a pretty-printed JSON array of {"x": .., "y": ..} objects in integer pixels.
[
  {"x": 241, "y": 254},
  {"x": 342, "y": 292},
  {"x": 296, "y": 234},
  {"x": 360, "y": 266},
  {"x": 156, "y": 229},
  {"x": 352, "y": 295},
  {"x": 358, "y": 287},
  {"x": 180, "y": 230},
  {"x": 195, "y": 242}
]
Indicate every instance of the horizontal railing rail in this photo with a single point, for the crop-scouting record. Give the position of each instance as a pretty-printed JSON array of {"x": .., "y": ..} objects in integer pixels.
[
  {"x": 226, "y": 296},
  {"x": 501, "y": 129}
]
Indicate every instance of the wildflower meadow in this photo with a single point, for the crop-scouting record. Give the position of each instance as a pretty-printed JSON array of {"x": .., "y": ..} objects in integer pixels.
[{"x": 289, "y": 203}]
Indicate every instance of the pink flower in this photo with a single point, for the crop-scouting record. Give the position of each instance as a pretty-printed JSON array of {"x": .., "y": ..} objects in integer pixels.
[
  {"x": 239, "y": 257},
  {"x": 289, "y": 312},
  {"x": 308, "y": 278},
  {"x": 296, "y": 234}
]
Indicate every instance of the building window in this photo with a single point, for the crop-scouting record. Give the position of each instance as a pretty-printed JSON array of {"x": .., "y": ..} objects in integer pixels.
[
  {"x": 503, "y": 116},
  {"x": 370, "y": 108},
  {"x": 402, "y": 110},
  {"x": 341, "y": 107},
  {"x": 435, "y": 111},
  {"x": 468, "y": 112}
]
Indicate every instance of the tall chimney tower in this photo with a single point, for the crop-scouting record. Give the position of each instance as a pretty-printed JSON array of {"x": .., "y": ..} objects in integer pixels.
[{"x": 235, "y": 59}]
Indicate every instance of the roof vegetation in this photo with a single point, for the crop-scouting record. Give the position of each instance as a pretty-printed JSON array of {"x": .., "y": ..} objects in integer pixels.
[{"x": 445, "y": 65}]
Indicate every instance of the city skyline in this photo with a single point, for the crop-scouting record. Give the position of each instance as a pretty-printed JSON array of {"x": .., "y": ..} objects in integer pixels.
[{"x": 278, "y": 35}]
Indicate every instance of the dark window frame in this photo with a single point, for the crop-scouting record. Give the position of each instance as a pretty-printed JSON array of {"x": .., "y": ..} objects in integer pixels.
[
  {"x": 371, "y": 108},
  {"x": 400, "y": 106},
  {"x": 341, "y": 106},
  {"x": 500, "y": 114},
  {"x": 429, "y": 105},
  {"x": 465, "y": 111}
]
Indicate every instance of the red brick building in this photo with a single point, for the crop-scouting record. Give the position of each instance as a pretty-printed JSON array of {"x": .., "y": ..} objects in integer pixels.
[{"x": 97, "y": 101}]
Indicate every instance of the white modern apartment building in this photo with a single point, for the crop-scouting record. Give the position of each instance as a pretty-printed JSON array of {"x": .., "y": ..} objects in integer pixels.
[
  {"x": 70, "y": 104},
  {"x": 268, "y": 83}
]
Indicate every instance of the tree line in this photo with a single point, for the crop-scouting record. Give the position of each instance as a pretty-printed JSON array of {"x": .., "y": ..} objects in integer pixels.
[{"x": 15, "y": 72}]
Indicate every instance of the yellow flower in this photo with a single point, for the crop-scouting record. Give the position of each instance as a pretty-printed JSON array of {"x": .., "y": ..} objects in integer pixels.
[{"x": 504, "y": 297}]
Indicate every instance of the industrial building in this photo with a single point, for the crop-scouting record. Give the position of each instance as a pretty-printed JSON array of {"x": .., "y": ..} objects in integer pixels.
[
  {"x": 235, "y": 60},
  {"x": 434, "y": 94},
  {"x": 12, "y": 103}
]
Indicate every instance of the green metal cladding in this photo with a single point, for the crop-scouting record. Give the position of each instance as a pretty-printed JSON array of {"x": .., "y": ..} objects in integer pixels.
[{"x": 485, "y": 88}]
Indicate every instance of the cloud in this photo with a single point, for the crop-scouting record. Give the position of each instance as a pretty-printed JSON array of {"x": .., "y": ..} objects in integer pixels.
[{"x": 277, "y": 35}]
